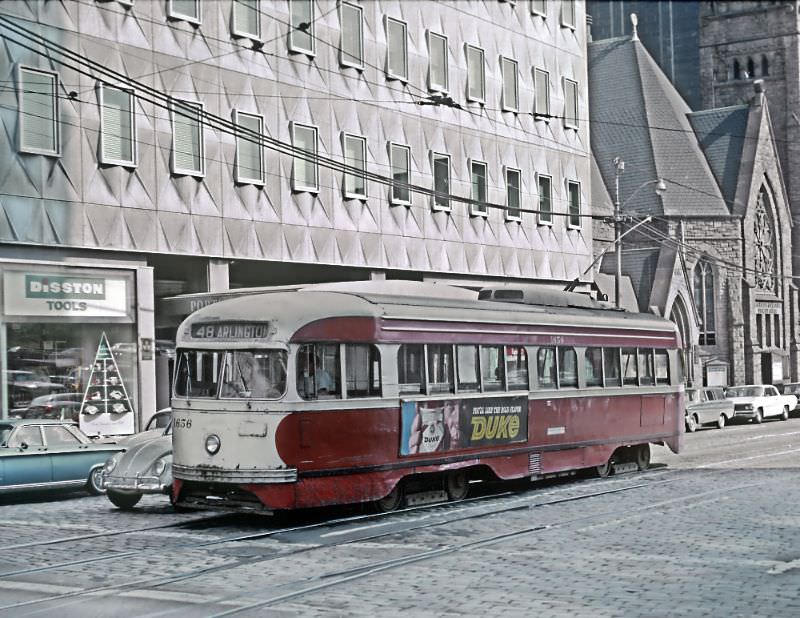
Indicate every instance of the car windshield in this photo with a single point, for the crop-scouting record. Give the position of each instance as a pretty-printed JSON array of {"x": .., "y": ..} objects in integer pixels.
[
  {"x": 744, "y": 391},
  {"x": 5, "y": 432},
  {"x": 158, "y": 421},
  {"x": 236, "y": 374}
]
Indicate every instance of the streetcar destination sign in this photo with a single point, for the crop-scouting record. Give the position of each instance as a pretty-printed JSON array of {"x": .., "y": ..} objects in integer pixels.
[{"x": 230, "y": 330}]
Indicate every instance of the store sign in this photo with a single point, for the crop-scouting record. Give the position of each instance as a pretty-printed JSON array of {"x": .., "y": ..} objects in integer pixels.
[{"x": 44, "y": 294}]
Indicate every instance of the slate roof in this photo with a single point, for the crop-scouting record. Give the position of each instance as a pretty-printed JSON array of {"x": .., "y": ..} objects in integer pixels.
[
  {"x": 638, "y": 264},
  {"x": 722, "y": 133},
  {"x": 637, "y": 114}
]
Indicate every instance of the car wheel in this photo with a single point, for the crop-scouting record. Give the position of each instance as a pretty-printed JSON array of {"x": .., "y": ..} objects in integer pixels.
[
  {"x": 124, "y": 501},
  {"x": 721, "y": 421},
  {"x": 691, "y": 423},
  {"x": 392, "y": 501},
  {"x": 643, "y": 456},
  {"x": 457, "y": 485},
  {"x": 95, "y": 482},
  {"x": 785, "y": 415},
  {"x": 758, "y": 417},
  {"x": 604, "y": 470}
]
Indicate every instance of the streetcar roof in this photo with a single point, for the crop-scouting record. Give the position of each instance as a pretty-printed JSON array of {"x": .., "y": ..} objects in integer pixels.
[{"x": 289, "y": 311}]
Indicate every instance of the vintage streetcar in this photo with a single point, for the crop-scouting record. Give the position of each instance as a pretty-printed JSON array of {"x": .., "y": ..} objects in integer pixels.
[{"x": 396, "y": 392}]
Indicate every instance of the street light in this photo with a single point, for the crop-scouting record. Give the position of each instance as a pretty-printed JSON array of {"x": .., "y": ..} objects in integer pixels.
[{"x": 661, "y": 187}]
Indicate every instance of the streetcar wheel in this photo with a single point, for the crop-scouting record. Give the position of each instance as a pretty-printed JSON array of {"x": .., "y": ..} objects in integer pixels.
[
  {"x": 785, "y": 415},
  {"x": 392, "y": 501},
  {"x": 456, "y": 485},
  {"x": 124, "y": 501},
  {"x": 603, "y": 470},
  {"x": 721, "y": 422},
  {"x": 758, "y": 417},
  {"x": 643, "y": 456},
  {"x": 94, "y": 483},
  {"x": 691, "y": 423}
]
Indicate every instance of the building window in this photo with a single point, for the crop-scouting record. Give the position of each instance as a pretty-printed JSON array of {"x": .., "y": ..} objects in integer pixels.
[
  {"x": 541, "y": 95},
  {"x": 513, "y": 184},
  {"x": 437, "y": 66},
  {"x": 704, "y": 301},
  {"x": 246, "y": 22},
  {"x": 355, "y": 156},
  {"x": 764, "y": 66},
  {"x": 400, "y": 160},
  {"x": 305, "y": 174},
  {"x": 351, "y": 44},
  {"x": 570, "y": 104},
  {"x": 478, "y": 176},
  {"x": 249, "y": 153},
  {"x": 751, "y": 68},
  {"x": 777, "y": 339},
  {"x": 187, "y": 138},
  {"x": 764, "y": 244},
  {"x": 545, "y": 199},
  {"x": 737, "y": 70},
  {"x": 539, "y": 7},
  {"x": 441, "y": 181},
  {"x": 117, "y": 127},
  {"x": 510, "y": 101},
  {"x": 396, "y": 49},
  {"x": 186, "y": 10},
  {"x": 38, "y": 119},
  {"x": 301, "y": 32},
  {"x": 568, "y": 13},
  {"x": 574, "y": 197},
  {"x": 476, "y": 74}
]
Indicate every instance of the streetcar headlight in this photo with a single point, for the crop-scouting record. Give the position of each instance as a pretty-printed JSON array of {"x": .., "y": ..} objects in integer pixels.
[
  {"x": 112, "y": 463},
  {"x": 160, "y": 465},
  {"x": 212, "y": 444}
]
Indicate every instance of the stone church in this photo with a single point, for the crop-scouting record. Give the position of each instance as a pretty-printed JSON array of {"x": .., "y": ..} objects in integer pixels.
[{"x": 712, "y": 251}]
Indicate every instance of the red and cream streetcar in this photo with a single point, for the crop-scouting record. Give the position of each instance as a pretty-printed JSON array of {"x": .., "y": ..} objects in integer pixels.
[{"x": 395, "y": 391}]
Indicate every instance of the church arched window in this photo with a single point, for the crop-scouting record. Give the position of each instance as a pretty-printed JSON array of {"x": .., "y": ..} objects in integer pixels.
[
  {"x": 704, "y": 301},
  {"x": 764, "y": 232},
  {"x": 764, "y": 66},
  {"x": 751, "y": 68},
  {"x": 737, "y": 70}
]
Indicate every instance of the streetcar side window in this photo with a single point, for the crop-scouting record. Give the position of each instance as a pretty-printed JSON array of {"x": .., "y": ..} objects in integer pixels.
[
  {"x": 593, "y": 366},
  {"x": 411, "y": 368},
  {"x": 363, "y": 370},
  {"x": 467, "y": 356},
  {"x": 197, "y": 374},
  {"x": 567, "y": 368},
  {"x": 611, "y": 367},
  {"x": 517, "y": 367},
  {"x": 440, "y": 368},
  {"x": 318, "y": 374},
  {"x": 492, "y": 368},
  {"x": 252, "y": 374},
  {"x": 646, "y": 371},
  {"x": 629, "y": 373},
  {"x": 662, "y": 367},
  {"x": 546, "y": 367}
]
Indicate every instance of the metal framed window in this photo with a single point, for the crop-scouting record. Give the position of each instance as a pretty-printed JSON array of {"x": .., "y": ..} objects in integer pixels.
[
  {"x": 351, "y": 43},
  {"x": 117, "y": 126},
  {"x": 438, "y": 78},
  {"x": 513, "y": 193},
  {"x": 305, "y": 173},
  {"x": 539, "y": 7},
  {"x": 545, "y": 184},
  {"x": 184, "y": 10},
  {"x": 249, "y": 167},
  {"x": 478, "y": 177},
  {"x": 396, "y": 49},
  {"x": 38, "y": 112},
  {"x": 541, "y": 95},
  {"x": 570, "y": 104},
  {"x": 704, "y": 300},
  {"x": 440, "y": 164},
  {"x": 246, "y": 20},
  {"x": 574, "y": 198},
  {"x": 510, "y": 102},
  {"x": 188, "y": 148},
  {"x": 301, "y": 30},
  {"x": 400, "y": 161},
  {"x": 568, "y": 14},
  {"x": 476, "y": 74},
  {"x": 355, "y": 156}
]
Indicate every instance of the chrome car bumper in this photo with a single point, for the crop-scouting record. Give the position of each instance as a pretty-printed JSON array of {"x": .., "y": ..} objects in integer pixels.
[
  {"x": 138, "y": 484},
  {"x": 196, "y": 473}
]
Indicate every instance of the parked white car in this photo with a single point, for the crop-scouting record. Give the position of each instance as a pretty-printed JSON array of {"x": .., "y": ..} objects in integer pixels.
[{"x": 760, "y": 401}]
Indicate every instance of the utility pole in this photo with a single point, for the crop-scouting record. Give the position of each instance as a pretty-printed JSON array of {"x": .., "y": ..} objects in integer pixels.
[{"x": 619, "y": 167}]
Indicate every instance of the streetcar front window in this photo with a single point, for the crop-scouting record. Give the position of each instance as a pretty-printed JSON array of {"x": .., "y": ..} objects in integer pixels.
[
  {"x": 254, "y": 374},
  {"x": 197, "y": 375}
]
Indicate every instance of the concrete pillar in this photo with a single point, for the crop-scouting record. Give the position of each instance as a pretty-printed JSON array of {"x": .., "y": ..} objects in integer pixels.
[
  {"x": 145, "y": 320},
  {"x": 217, "y": 275}
]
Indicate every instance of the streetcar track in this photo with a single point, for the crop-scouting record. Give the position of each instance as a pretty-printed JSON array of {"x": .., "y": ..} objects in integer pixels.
[{"x": 161, "y": 581}]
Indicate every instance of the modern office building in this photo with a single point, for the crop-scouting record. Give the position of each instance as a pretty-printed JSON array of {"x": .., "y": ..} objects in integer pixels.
[{"x": 155, "y": 148}]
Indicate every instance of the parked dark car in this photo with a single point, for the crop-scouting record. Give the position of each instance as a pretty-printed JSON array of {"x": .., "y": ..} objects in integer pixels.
[
  {"x": 706, "y": 406},
  {"x": 24, "y": 386},
  {"x": 43, "y": 454},
  {"x": 792, "y": 388}
]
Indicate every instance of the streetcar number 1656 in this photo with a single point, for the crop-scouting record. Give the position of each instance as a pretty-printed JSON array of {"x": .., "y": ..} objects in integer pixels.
[{"x": 182, "y": 423}]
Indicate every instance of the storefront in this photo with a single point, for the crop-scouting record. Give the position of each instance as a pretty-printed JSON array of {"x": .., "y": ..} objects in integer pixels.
[{"x": 83, "y": 336}]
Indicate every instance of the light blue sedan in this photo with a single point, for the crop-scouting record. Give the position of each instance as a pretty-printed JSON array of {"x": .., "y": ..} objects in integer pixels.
[{"x": 38, "y": 454}]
